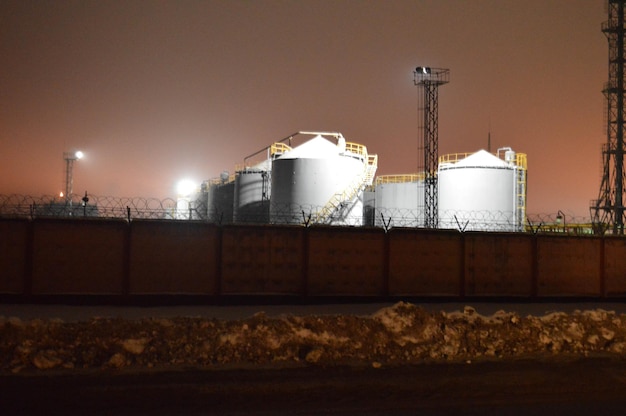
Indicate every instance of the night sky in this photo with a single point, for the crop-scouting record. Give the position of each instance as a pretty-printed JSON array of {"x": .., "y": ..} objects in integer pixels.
[{"x": 157, "y": 91}]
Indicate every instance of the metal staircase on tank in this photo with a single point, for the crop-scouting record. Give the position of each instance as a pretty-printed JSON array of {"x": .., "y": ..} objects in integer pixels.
[
  {"x": 340, "y": 201},
  {"x": 520, "y": 193}
]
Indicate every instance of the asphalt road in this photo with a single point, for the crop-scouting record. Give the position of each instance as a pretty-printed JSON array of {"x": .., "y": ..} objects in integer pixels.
[{"x": 581, "y": 387}]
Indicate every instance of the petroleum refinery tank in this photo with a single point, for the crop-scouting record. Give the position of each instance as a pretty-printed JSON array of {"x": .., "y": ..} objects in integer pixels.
[
  {"x": 220, "y": 199},
  {"x": 320, "y": 182},
  {"x": 482, "y": 191},
  {"x": 399, "y": 200},
  {"x": 252, "y": 197},
  {"x": 369, "y": 207}
]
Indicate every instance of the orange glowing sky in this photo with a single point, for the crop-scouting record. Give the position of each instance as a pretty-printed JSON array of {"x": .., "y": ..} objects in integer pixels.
[{"x": 156, "y": 91}]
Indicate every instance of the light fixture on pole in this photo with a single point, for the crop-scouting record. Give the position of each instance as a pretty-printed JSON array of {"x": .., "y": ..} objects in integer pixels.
[
  {"x": 69, "y": 158},
  {"x": 560, "y": 218}
]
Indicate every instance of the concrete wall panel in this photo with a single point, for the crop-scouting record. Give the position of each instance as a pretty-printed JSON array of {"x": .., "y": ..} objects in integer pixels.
[
  {"x": 173, "y": 257},
  {"x": 615, "y": 266},
  {"x": 346, "y": 261},
  {"x": 498, "y": 264},
  {"x": 78, "y": 257},
  {"x": 423, "y": 262},
  {"x": 568, "y": 266},
  {"x": 13, "y": 251},
  {"x": 262, "y": 260}
]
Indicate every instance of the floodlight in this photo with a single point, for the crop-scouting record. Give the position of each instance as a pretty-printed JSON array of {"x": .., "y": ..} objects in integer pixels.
[{"x": 186, "y": 187}]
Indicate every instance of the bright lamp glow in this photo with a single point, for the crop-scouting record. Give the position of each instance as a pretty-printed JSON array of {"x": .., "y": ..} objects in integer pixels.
[
  {"x": 79, "y": 154},
  {"x": 186, "y": 187}
]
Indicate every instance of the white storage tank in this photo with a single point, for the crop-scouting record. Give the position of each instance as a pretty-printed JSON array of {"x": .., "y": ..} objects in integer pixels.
[
  {"x": 320, "y": 182},
  {"x": 399, "y": 200},
  {"x": 482, "y": 191}
]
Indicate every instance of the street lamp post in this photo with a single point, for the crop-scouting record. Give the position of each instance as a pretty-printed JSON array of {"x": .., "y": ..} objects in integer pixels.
[
  {"x": 69, "y": 158},
  {"x": 560, "y": 218}
]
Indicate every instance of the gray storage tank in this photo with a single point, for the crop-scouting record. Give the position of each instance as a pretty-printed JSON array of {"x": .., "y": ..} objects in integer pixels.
[
  {"x": 400, "y": 200},
  {"x": 253, "y": 186}
]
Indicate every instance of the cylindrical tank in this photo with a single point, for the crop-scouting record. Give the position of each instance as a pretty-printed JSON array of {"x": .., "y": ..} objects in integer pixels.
[
  {"x": 252, "y": 193},
  {"x": 220, "y": 199},
  {"x": 399, "y": 200},
  {"x": 481, "y": 192},
  {"x": 313, "y": 183},
  {"x": 369, "y": 207}
]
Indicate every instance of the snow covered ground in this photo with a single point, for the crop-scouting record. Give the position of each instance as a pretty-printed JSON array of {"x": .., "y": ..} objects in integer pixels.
[{"x": 64, "y": 338}]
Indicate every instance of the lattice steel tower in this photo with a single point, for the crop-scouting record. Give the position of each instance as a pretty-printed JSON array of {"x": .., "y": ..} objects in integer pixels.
[
  {"x": 607, "y": 211},
  {"x": 428, "y": 81}
]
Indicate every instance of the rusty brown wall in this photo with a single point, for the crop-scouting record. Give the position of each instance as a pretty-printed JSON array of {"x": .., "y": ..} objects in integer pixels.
[
  {"x": 498, "y": 264},
  {"x": 173, "y": 257},
  {"x": 569, "y": 266},
  {"x": 424, "y": 263},
  {"x": 615, "y": 266},
  {"x": 262, "y": 260},
  {"x": 78, "y": 257},
  {"x": 13, "y": 252},
  {"x": 345, "y": 261},
  {"x": 94, "y": 256}
]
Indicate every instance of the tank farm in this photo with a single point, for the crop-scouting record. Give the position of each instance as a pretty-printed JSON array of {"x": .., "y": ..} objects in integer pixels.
[{"x": 306, "y": 219}]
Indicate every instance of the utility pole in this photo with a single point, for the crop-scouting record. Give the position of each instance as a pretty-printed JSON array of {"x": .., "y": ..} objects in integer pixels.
[{"x": 428, "y": 81}]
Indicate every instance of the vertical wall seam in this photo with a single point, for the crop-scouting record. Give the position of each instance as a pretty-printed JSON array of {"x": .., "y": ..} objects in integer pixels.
[
  {"x": 127, "y": 260},
  {"x": 603, "y": 293},
  {"x": 29, "y": 257}
]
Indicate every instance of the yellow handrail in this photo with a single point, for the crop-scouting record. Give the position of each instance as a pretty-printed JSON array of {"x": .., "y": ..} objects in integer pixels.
[
  {"x": 521, "y": 159},
  {"x": 279, "y": 147},
  {"x": 413, "y": 177},
  {"x": 359, "y": 149}
]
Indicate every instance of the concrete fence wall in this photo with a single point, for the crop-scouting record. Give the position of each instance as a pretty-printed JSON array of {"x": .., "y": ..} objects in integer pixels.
[{"x": 157, "y": 257}]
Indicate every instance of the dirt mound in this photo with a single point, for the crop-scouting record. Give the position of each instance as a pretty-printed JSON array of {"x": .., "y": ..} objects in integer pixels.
[{"x": 401, "y": 334}]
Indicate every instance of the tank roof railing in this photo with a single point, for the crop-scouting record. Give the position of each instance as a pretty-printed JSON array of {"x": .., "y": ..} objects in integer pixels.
[
  {"x": 357, "y": 148},
  {"x": 521, "y": 159},
  {"x": 405, "y": 178},
  {"x": 275, "y": 147},
  {"x": 221, "y": 180}
]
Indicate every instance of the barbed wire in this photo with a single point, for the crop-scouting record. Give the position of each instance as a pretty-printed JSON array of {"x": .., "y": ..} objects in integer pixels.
[
  {"x": 16, "y": 205},
  {"x": 264, "y": 212}
]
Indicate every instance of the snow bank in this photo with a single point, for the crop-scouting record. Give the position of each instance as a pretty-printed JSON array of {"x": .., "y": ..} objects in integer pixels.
[{"x": 401, "y": 334}]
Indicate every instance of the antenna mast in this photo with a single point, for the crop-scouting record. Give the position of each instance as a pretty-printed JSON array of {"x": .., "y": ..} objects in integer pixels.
[
  {"x": 428, "y": 81},
  {"x": 607, "y": 212}
]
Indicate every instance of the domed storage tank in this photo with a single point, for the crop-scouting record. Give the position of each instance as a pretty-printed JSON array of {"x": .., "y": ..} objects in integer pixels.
[
  {"x": 319, "y": 182},
  {"x": 482, "y": 192},
  {"x": 399, "y": 200}
]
